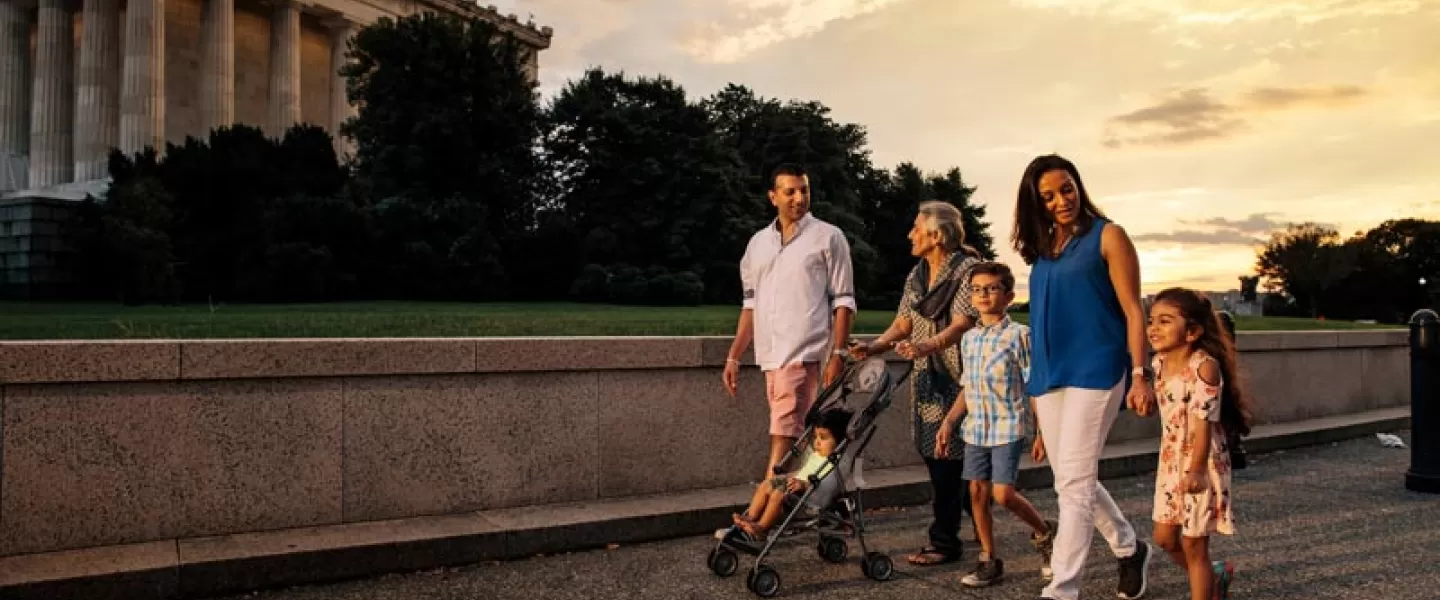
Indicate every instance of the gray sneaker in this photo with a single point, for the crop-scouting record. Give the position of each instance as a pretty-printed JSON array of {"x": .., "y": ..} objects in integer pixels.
[
  {"x": 988, "y": 572},
  {"x": 1045, "y": 545}
]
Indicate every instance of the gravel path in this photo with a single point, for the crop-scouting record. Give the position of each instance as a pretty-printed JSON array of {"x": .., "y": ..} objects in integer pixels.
[{"x": 1328, "y": 522}]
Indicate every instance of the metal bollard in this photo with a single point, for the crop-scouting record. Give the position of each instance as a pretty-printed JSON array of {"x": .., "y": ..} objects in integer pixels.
[
  {"x": 1424, "y": 473},
  {"x": 1238, "y": 458}
]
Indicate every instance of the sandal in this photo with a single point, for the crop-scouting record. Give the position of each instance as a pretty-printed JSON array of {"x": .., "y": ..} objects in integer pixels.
[{"x": 929, "y": 557}]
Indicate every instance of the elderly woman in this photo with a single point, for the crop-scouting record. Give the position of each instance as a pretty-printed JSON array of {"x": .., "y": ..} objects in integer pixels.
[
  {"x": 1087, "y": 332},
  {"x": 934, "y": 312}
]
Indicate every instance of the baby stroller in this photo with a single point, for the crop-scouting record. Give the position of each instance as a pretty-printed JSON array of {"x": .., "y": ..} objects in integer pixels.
[{"x": 832, "y": 503}]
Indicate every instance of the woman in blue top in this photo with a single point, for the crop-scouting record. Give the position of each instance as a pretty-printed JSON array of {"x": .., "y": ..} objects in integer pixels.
[{"x": 1088, "y": 342}]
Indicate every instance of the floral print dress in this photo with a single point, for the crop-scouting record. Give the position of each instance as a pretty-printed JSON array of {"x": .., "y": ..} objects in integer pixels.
[
  {"x": 1183, "y": 397},
  {"x": 933, "y": 388}
]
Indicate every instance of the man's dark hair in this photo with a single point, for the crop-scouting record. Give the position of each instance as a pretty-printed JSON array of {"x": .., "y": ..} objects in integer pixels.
[
  {"x": 996, "y": 269},
  {"x": 790, "y": 169}
]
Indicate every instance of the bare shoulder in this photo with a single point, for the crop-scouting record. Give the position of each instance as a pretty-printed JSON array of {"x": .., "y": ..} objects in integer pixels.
[
  {"x": 1114, "y": 239},
  {"x": 1208, "y": 370},
  {"x": 1112, "y": 232}
]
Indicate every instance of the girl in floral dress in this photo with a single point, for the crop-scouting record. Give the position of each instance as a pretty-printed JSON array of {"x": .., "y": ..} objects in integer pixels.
[{"x": 1199, "y": 403}]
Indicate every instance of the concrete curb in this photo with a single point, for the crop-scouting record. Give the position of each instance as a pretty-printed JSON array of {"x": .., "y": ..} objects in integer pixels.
[{"x": 204, "y": 567}]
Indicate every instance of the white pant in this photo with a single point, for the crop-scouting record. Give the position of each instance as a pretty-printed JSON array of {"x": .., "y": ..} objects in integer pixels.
[{"x": 1074, "y": 423}]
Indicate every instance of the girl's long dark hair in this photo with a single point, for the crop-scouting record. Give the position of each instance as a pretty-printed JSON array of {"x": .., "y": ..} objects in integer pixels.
[
  {"x": 1195, "y": 308},
  {"x": 1033, "y": 234}
]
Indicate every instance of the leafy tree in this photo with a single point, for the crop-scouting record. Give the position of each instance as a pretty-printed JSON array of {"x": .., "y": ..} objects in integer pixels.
[
  {"x": 126, "y": 253},
  {"x": 890, "y": 212},
  {"x": 1305, "y": 261},
  {"x": 764, "y": 133},
  {"x": 641, "y": 179},
  {"x": 445, "y": 146}
]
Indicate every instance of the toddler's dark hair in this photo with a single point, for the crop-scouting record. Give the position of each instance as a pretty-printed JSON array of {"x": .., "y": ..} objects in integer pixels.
[{"x": 837, "y": 421}]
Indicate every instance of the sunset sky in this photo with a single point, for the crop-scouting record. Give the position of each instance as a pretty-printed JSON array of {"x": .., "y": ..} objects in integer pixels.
[{"x": 1198, "y": 126}]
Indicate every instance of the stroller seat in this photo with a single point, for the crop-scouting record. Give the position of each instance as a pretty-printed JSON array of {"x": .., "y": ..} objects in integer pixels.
[{"x": 833, "y": 505}]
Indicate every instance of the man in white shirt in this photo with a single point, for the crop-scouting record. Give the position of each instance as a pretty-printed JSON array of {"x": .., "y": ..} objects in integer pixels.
[{"x": 799, "y": 303}]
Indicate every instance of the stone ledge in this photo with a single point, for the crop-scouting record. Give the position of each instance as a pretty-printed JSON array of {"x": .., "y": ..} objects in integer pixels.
[
  {"x": 74, "y": 361},
  {"x": 109, "y": 360},
  {"x": 1271, "y": 341},
  {"x": 193, "y": 568}
]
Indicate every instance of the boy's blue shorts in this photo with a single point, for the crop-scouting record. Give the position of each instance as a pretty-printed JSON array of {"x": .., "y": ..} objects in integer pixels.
[{"x": 1000, "y": 464}]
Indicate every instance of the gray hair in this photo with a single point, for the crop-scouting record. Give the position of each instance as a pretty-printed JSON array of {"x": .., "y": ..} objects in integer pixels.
[{"x": 949, "y": 222}]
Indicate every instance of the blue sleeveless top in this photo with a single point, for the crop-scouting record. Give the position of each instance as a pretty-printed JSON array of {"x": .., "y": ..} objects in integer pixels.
[{"x": 1076, "y": 325}]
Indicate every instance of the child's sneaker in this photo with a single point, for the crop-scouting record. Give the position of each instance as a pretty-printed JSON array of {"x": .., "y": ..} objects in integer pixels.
[
  {"x": 1224, "y": 574},
  {"x": 989, "y": 572},
  {"x": 1135, "y": 573},
  {"x": 1045, "y": 545}
]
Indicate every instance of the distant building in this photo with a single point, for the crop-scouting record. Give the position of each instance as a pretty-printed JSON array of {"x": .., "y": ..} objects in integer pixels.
[
  {"x": 1231, "y": 301},
  {"x": 80, "y": 78}
]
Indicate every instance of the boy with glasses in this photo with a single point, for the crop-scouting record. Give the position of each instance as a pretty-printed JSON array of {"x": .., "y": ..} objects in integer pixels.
[{"x": 997, "y": 419}]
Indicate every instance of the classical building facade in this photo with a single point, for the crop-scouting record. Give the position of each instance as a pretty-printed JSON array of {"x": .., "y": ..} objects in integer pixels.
[{"x": 80, "y": 77}]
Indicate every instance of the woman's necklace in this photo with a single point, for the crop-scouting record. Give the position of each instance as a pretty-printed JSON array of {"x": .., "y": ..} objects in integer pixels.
[{"x": 1061, "y": 242}]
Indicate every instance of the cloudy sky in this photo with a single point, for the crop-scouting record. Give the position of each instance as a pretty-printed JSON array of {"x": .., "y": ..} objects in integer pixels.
[{"x": 1200, "y": 126}]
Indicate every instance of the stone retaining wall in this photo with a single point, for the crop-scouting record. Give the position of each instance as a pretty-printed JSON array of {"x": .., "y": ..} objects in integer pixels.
[{"x": 107, "y": 442}]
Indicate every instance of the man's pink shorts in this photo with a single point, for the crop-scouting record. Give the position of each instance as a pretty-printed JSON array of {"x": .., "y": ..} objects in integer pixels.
[{"x": 791, "y": 389}]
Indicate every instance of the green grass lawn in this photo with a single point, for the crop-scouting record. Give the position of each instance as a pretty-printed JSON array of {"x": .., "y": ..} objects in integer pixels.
[{"x": 20, "y": 321}]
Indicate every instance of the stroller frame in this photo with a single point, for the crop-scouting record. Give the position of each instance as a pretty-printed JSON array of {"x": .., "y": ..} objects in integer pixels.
[{"x": 832, "y": 523}]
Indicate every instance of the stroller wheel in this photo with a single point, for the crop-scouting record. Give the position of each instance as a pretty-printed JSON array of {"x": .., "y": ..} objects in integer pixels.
[
  {"x": 764, "y": 581},
  {"x": 723, "y": 562},
  {"x": 832, "y": 549},
  {"x": 878, "y": 566}
]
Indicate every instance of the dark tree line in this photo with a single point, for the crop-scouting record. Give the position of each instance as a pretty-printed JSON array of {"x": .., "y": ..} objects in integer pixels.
[
  {"x": 1384, "y": 274},
  {"x": 464, "y": 186}
]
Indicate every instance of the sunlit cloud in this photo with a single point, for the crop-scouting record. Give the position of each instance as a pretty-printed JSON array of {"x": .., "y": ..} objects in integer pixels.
[
  {"x": 757, "y": 24},
  {"x": 1213, "y": 13},
  {"x": 1194, "y": 115}
]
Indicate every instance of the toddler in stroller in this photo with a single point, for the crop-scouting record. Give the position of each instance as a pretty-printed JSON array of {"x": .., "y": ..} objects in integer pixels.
[
  {"x": 781, "y": 493},
  {"x": 824, "y": 493}
]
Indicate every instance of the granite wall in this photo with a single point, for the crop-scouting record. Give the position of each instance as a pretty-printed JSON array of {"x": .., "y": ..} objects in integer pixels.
[{"x": 128, "y": 441}]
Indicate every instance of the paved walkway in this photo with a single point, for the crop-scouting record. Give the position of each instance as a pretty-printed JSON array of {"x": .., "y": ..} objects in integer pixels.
[{"x": 1325, "y": 522}]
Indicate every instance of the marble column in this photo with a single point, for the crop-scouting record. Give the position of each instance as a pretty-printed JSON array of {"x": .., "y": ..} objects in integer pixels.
[
  {"x": 142, "y": 87},
  {"x": 217, "y": 66},
  {"x": 284, "y": 67},
  {"x": 14, "y": 83},
  {"x": 341, "y": 31},
  {"x": 97, "y": 108},
  {"x": 52, "y": 108}
]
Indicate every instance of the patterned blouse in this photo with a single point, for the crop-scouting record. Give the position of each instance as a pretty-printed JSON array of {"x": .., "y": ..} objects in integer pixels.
[{"x": 933, "y": 390}]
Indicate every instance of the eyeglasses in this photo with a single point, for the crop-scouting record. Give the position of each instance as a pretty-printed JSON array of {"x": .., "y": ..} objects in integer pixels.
[{"x": 995, "y": 289}]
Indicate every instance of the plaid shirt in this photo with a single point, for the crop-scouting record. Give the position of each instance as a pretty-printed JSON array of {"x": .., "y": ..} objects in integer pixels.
[{"x": 997, "y": 364}]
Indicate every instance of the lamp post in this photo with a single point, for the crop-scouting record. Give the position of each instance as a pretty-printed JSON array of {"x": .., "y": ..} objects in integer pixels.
[{"x": 1424, "y": 473}]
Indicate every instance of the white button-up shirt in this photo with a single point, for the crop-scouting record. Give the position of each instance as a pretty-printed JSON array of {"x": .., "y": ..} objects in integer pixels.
[{"x": 794, "y": 289}]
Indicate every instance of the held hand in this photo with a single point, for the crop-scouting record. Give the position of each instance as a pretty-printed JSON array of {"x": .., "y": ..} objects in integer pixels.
[
  {"x": 1037, "y": 451},
  {"x": 942, "y": 439},
  {"x": 1194, "y": 483},
  {"x": 795, "y": 485},
  {"x": 1141, "y": 398},
  {"x": 731, "y": 377},
  {"x": 859, "y": 350},
  {"x": 916, "y": 350}
]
